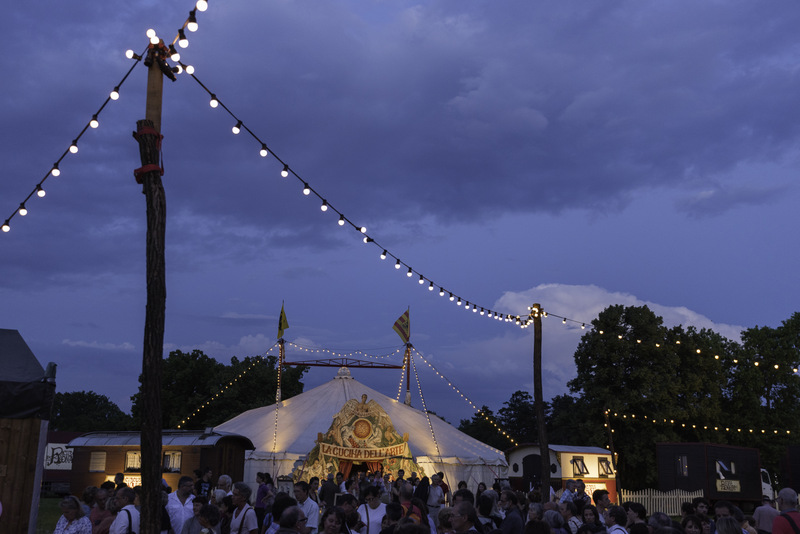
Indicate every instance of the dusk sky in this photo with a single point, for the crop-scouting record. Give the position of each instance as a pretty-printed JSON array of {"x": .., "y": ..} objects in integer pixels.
[{"x": 575, "y": 154}]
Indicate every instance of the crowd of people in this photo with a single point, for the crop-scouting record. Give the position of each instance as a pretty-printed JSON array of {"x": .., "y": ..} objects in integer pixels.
[{"x": 378, "y": 503}]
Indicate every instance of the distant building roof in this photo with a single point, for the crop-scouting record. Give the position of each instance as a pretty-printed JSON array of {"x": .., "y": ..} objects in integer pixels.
[
  {"x": 169, "y": 438},
  {"x": 581, "y": 449}
]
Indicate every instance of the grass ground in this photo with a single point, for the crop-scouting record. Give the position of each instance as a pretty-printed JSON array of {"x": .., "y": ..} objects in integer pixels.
[{"x": 49, "y": 512}]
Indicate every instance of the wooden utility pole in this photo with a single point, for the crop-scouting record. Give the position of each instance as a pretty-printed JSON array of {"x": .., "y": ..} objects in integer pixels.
[
  {"x": 538, "y": 398},
  {"x": 148, "y": 134}
]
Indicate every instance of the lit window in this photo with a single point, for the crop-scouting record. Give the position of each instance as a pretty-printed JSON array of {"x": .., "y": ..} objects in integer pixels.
[
  {"x": 172, "y": 462},
  {"x": 133, "y": 462},
  {"x": 97, "y": 462},
  {"x": 604, "y": 467}
]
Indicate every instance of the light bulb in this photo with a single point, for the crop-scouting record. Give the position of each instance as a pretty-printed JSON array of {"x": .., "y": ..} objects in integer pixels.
[
  {"x": 481, "y": 311},
  {"x": 367, "y": 239},
  {"x": 55, "y": 171},
  {"x": 154, "y": 40},
  {"x": 383, "y": 254},
  {"x": 341, "y": 220},
  {"x": 285, "y": 171},
  {"x": 458, "y": 303},
  {"x": 40, "y": 192},
  {"x": 6, "y": 227},
  {"x": 237, "y": 127},
  {"x": 324, "y": 206},
  {"x": 191, "y": 23},
  {"x": 129, "y": 54},
  {"x": 306, "y": 189},
  {"x": 150, "y": 33},
  {"x": 363, "y": 229},
  {"x": 409, "y": 273},
  {"x": 183, "y": 42},
  {"x": 202, "y": 5},
  {"x": 114, "y": 94},
  {"x": 189, "y": 69},
  {"x": 397, "y": 265},
  {"x": 264, "y": 152},
  {"x": 214, "y": 102},
  {"x": 22, "y": 210},
  {"x": 441, "y": 291},
  {"x": 94, "y": 123},
  {"x": 421, "y": 280},
  {"x": 452, "y": 298},
  {"x": 430, "y": 287},
  {"x": 173, "y": 54},
  {"x": 73, "y": 148}
]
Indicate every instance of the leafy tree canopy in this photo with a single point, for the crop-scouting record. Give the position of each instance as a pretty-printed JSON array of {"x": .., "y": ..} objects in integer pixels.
[{"x": 87, "y": 411}]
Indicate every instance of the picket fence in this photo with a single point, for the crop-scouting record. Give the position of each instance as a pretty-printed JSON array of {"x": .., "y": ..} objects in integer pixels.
[{"x": 668, "y": 502}]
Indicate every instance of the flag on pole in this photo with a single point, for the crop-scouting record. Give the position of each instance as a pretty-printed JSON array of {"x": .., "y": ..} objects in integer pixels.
[
  {"x": 403, "y": 327},
  {"x": 283, "y": 324}
]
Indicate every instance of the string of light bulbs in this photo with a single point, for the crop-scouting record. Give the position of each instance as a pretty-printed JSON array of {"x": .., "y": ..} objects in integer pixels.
[
  {"x": 336, "y": 353},
  {"x": 425, "y": 407},
  {"x": 717, "y": 428}
]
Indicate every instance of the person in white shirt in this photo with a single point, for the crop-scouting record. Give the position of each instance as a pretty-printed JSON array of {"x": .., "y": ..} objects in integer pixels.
[
  {"x": 616, "y": 519},
  {"x": 128, "y": 514},
  {"x": 435, "y": 498},
  {"x": 179, "y": 503},
  {"x": 372, "y": 511},
  {"x": 244, "y": 517},
  {"x": 309, "y": 507}
]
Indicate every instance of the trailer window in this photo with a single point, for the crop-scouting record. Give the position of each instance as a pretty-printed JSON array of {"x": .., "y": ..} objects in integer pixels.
[
  {"x": 604, "y": 467},
  {"x": 578, "y": 466},
  {"x": 133, "y": 462},
  {"x": 172, "y": 462},
  {"x": 97, "y": 462},
  {"x": 683, "y": 465}
]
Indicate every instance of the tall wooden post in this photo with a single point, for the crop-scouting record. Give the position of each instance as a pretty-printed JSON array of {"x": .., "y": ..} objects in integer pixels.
[
  {"x": 538, "y": 397},
  {"x": 149, "y": 138}
]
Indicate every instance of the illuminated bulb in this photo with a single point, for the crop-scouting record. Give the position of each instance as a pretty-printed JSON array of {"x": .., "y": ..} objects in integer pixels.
[
  {"x": 341, "y": 223},
  {"x": 397, "y": 265},
  {"x": 564, "y": 320},
  {"x": 237, "y": 127},
  {"x": 306, "y": 189},
  {"x": 601, "y": 333},
  {"x": 264, "y": 152},
  {"x": 6, "y": 227},
  {"x": 73, "y": 148},
  {"x": 94, "y": 123},
  {"x": 129, "y": 54},
  {"x": 583, "y": 326},
  {"x": 324, "y": 206},
  {"x": 183, "y": 42},
  {"x": 383, "y": 254},
  {"x": 150, "y": 33},
  {"x": 452, "y": 298},
  {"x": 40, "y": 192},
  {"x": 409, "y": 273},
  {"x": 24, "y": 211},
  {"x": 441, "y": 291},
  {"x": 173, "y": 54},
  {"x": 363, "y": 229},
  {"x": 115, "y": 94},
  {"x": 55, "y": 171},
  {"x": 367, "y": 239},
  {"x": 474, "y": 308},
  {"x": 154, "y": 40},
  {"x": 698, "y": 351},
  {"x": 214, "y": 102},
  {"x": 189, "y": 69},
  {"x": 481, "y": 311},
  {"x": 421, "y": 280},
  {"x": 201, "y": 5},
  {"x": 756, "y": 364},
  {"x": 191, "y": 24},
  {"x": 285, "y": 171}
]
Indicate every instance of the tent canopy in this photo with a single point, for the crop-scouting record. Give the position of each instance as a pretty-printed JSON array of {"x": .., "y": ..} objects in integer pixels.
[
  {"x": 25, "y": 389},
  {"x": 287, "y": 431}
]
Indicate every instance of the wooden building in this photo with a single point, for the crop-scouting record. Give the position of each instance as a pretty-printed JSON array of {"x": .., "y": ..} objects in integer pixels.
[{"x": 98, "y": 456}]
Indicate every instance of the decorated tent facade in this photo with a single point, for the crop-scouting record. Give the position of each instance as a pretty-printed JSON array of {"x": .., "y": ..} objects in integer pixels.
[{"x": 344, "y": 423}]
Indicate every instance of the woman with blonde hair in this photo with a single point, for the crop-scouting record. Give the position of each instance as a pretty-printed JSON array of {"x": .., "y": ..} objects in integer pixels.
[{"x": 72, "y": 520}]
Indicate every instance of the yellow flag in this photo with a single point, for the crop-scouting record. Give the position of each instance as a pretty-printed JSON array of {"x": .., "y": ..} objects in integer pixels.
[
  {"x": 283, "y": 324},
  {"x": 403, "y": 327}
]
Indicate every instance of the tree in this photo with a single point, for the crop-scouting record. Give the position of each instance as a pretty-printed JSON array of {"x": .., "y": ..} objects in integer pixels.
[
  {"x": 199, "y": 392},
  {"x": 87, "y": 411},
  {"x": 484, "y": 430},
  {"x": 518, "y": 417}
]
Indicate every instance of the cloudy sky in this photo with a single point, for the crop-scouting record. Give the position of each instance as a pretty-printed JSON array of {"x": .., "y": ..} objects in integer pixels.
[{"x": 576, "y": 154}]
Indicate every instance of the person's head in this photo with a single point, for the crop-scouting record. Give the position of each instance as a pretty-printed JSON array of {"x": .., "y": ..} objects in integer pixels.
[
  {"x": 108, "y": 485},
  {"x": 553, "y": 519},
  {"x": 198, "y": 503},
  {"x": 209, "y": 516},
  {"x": 787, "y": 499},
  {"x": 89, "y": 495},
  {"x": 445, "y": 515},
  {"x": 119, "y": 478},
  {"x": 400, "y": 473},
  {"x": 226, "y": 505},
  {"x": 691, "y": 524},
  {"x": 224, "y": 482},
  {"x": 659, "y": 520},
  {"x": 567, "y": 509},
  {"x": 535, "y": 512},
  {"x": 372, "y": 497},
  {"x": 313, "y": 483},
  {"x": 463, "y": 494},
  {"x": 463, "y": 517},
  {"x": 486, "y": 504},
  {"x": 207, "y": 472},
  {"x": 462, "y": 484},
  {"x": 686, "y": 509},
  {"x": 71, "y": 508},
  {"x": 508, "y": 499},
  {"x": 185, "y": 486},
  {"x": 301, "y": 491},
  {"x": 700, "y": 505},
  {"x": 580, "y": 485},
  {"x": 282, "y": 501},
  {"x": 481, "y": 486},
  {"x": 394, "y": 511},
  {"x": 600, "y": 498},
  {"x": 387, "y": 478},
  {"x": 293, "y": 518},
  {"x": 590, "y": 516},
  {"x": 728, "y": 525},
  {"x": 723, "y": 509},
  {"x": 216, "y": 496},
  {"x": 615, "y": 515},
  {"x": 259, "y": 478},
  {"x": 570, "y": 485},
  {"x": 436, "y": 480},
  {"x": 636, "y": 512},
  {"x": 406, "y": 491},
  {"x": 332, "y": 521},
  {"x": 348, "y": 503},
  {"x": 339, "y": 478},
  {"x": 100, "y": 498},
  {"x": 241, "y": 494},
  {"x": 705, "y": 523},
  {"x": 123, "y": 497}
]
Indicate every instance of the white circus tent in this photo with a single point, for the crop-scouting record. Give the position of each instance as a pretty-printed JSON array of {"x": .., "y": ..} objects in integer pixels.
[{"x": 285, "y": 433}]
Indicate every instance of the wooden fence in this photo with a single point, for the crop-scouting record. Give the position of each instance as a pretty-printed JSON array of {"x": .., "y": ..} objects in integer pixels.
[{"x": 659, "y": 501}]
